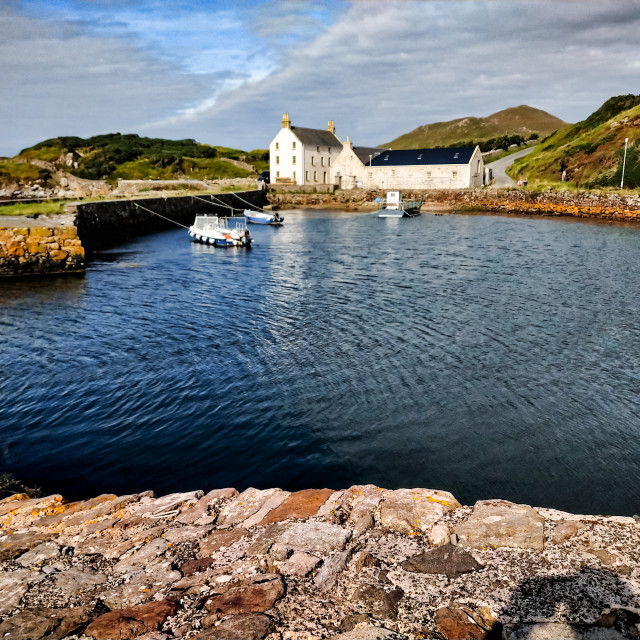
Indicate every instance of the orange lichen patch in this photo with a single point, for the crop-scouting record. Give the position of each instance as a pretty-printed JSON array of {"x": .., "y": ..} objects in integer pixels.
[{"x": 15, "y": 496}]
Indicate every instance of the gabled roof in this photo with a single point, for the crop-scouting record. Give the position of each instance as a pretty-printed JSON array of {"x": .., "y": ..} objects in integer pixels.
[
  {"x": 458, "y": 155},
  {"x": 363, "y": 153},
  {"x": 316, "y": 137}
]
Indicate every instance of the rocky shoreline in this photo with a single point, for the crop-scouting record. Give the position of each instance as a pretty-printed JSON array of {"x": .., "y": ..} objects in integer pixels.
[
  {"x": 362, "y": 563},
  {"x": 612, "y": 207}
]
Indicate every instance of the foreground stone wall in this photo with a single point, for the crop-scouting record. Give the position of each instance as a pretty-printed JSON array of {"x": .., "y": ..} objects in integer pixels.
[
  {"x": 565, "y": 203},
  {"x": 362, "y": 563},
  {"x": 110, "y": 222},
  {"x": 40, "y": 250}
]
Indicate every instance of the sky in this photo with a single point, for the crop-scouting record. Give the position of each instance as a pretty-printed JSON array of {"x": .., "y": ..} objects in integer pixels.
[{"x": 224, "y": 72}]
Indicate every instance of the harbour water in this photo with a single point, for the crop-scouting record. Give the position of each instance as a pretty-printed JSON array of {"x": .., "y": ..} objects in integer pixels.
[{"x": 487, "y": 356}]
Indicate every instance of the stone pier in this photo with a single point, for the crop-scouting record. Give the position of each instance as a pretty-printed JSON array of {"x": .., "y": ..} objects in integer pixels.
[
  {"x": 40, "y": 250},
  {"x": 361, "y": 563}
]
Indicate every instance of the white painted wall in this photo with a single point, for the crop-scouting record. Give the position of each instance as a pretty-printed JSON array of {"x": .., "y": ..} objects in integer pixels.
[
  {"x": 440, "y": 176},
  {"x": 301, "y": 164},
  {"x": 282, "y": 154},
  {"x": 347, "y": 169}
]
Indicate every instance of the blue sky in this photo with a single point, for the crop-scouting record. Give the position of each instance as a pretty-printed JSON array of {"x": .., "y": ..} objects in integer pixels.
[{"x": 224, "y": 72}]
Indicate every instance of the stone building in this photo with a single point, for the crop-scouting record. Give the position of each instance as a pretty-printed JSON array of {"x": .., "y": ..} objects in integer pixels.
[
  {"x": 303, "y": 156},
  {"x": 456, "y": 168},
  {"x": 348, "y": 169}
]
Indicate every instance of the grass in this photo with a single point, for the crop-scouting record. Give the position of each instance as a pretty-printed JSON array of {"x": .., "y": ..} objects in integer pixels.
[
  {"x": 592, "y": 157},
  {"x": 25, "y": 209}
]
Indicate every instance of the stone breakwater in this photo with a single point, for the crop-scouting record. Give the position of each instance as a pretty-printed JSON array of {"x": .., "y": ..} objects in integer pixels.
[
  {"x": 549, "y": 203},
  {"x": 357, "y": 564},
  {"x": 39, "y": 250}
]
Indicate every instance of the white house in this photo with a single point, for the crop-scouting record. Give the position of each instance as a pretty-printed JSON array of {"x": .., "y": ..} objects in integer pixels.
[
  {"x": 456, "y": 168},
  {"x": 302, "y": 156},
  {"x": 348, "y": 169}
]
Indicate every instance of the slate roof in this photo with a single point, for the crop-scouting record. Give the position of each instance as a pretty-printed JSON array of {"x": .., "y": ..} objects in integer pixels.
[
  {"x": 316, "y": 137},
  {"x": 457, "y": 155},
  {"x": 363, "y": 153}
]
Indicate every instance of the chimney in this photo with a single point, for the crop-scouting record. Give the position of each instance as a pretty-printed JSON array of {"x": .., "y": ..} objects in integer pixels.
[
  {"x": 331, "y": 127},
  {"x": 348, "y": 143},
  {"x": 286, "y": 123}
]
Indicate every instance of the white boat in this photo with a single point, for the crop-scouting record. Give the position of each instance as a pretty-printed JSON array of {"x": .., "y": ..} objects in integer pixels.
[
  {"x": 220, "y": 232},
  {"x": 393, "y": 206},
  {"x": 263, "y": 217}
]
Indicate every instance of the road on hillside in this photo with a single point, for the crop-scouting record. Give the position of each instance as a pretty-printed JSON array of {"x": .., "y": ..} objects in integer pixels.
[{"x": 500, "y": 166}]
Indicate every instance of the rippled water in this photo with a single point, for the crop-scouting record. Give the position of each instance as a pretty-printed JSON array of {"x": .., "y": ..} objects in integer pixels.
[{"x": 488, "y": 356}]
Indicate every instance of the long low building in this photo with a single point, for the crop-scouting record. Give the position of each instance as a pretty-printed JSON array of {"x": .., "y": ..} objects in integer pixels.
[{"x": 455, "y": 168}]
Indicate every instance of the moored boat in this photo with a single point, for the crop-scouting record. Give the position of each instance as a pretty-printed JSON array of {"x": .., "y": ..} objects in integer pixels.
[
  {"x": 394, "y": 206},
  {"x": 263, "y": 217},
  {"x": 220, "y": 232}
]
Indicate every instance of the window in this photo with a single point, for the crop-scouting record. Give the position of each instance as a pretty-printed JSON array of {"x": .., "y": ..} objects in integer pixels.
[
  {"x": 454, "y": 174},
  {"x": 371, "y": 174},
  {"x": 277, "y": 174},
  {"x": 420, "y": 157},
  {"x": 318, "y": 149},
  {"x": 324, "y": 177},
  {"x": 329, "y": 161},
  {"x": 277, "y": 159},
  {"x": 306, "y": 176},
  {"x": 393, "y": 172},
  {"x": 277, "y": 146},
  {"x": 294, "y": 176},
  {"x": 293, "y": 145},
  {"x": 428, "y": 175},
  {"x": 315, "y": 176},
  {"x": 313, "y": 160},
  {"x": 293, "y": 161},
  {"x": 455, "y": 157},
  {"x": 322, "y": 160}
]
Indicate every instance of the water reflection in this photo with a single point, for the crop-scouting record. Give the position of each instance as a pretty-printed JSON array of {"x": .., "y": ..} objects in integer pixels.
[{"x": 492, "y": 357}]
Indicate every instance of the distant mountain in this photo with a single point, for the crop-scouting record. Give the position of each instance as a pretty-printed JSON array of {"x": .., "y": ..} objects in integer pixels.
[
  {"x": 589, "y": 154},
  {"x": 521, "y": 121}
]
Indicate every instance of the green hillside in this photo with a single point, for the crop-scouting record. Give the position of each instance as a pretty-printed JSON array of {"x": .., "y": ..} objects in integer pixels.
[
  {"x": 590, "y": 153},
  {"x": 114, "y": 155},
  {"x": 523, "y": 122}
]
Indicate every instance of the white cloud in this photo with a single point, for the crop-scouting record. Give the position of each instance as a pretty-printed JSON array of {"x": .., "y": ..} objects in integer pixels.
[{"x": 377, "y": 68}]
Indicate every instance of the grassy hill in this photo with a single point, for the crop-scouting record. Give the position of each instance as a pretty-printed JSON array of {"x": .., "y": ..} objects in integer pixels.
[
  {"x": 522, "y": 121},
  {"x": 114, "y": 155},
  {"x": 590, "y": 153}
]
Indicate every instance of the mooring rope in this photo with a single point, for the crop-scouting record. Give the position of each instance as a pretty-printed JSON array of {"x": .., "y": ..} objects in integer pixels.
[
  {"x": 251, "y": 205},
  {"x": 160, "y": 215},
  {"x": 213, "y": 204}
]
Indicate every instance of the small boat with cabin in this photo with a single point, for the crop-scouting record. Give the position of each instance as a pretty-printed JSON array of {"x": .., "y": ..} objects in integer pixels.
[
  {"x": 220, "y": 232},
  {"x": 263, "y": 217},
  {"x": 394, "y": 206}
]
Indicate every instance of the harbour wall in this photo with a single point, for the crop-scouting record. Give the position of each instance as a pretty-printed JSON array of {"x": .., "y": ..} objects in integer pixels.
[
  {"x": 40, "y": 250},
  {"x": 362, "y": 563},
  {"x": 107, "y": 223},
  {"x": 517, "y": 200}
]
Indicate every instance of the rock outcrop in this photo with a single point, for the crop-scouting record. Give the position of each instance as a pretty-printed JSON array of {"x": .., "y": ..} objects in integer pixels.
[
  {"x": 40, "y": 250},
  {"x": 361, "y": 563},
  {"x": 580, "y": 204}
]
